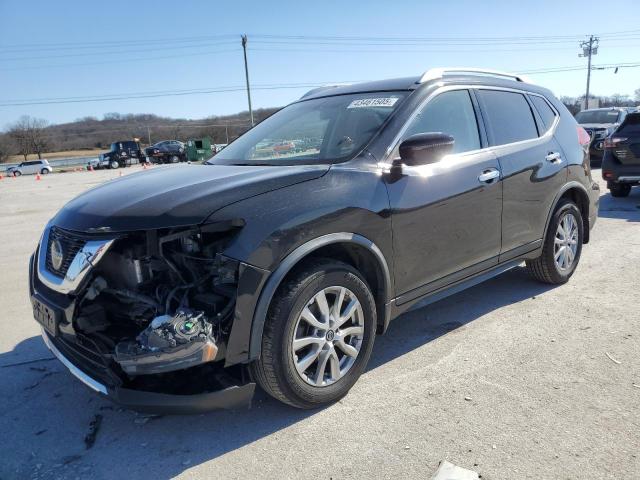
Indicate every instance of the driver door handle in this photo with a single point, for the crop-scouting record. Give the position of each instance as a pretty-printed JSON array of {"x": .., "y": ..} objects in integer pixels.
[
  {"x": 553, "y": 157},
  {"x": 489, "y": 175}
]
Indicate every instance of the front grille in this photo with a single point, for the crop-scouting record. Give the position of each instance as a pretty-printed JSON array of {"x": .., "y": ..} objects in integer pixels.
[
  {"x": 71, "y": 245},
  {"x": 87, "y": 358},
  {"x": 600, "y": 134}
]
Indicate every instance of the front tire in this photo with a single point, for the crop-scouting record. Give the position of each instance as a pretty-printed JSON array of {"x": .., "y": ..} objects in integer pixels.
[
  {"x": 619, "y": 190},
  {"x": 562, "y": 246},
  {"x": 44, "y": 171},
  {"x": 114, "y": 164},
  {"x": 318, "y": 335},
  {"x": 174, "y": 159}
]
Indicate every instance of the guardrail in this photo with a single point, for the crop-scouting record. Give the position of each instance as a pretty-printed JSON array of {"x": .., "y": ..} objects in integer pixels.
[{"x": 58, "y": 162}]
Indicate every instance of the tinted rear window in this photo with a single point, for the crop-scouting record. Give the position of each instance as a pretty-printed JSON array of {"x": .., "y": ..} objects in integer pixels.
[
  {"x": 544, "y": 110},
  {"x": 509, "y": 116},
  {"x": 631, "y": 125},
  {"x": 598, "y": 116}
]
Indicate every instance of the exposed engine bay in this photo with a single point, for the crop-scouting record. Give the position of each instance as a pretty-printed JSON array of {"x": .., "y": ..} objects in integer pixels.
[{"x": 159, "y": 302}]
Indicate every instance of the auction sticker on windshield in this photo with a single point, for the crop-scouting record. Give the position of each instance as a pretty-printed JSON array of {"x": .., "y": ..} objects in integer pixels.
[{"x": 373, "y": 102}]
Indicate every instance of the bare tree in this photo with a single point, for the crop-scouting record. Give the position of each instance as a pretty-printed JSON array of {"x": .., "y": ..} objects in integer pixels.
[
  {"x": 618, "y": 99},
  {"x": 19, "y": 133},
  {"x": 636, "y": 94},
  {"x": 29, "y": 135},
  {"x": 6, "y": 147},
  {"x": 39, "y": 138}
]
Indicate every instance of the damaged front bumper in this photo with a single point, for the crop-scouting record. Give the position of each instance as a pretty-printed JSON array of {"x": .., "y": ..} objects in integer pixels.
[
  {"x": 234, "y": 396},
  {"x": 221, "y": 391}
]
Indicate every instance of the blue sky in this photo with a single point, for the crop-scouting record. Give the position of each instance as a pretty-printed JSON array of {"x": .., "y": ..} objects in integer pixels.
[{"x": 60, "y": 49}]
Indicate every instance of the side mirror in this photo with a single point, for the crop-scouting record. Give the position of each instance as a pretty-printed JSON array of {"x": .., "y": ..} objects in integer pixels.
[{"x": 425, "y": 148}]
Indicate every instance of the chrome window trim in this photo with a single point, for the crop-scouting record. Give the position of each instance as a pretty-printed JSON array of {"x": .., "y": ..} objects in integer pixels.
[
  {"x": 87, "y": 257},
  {"x": 504, "y": 149}
]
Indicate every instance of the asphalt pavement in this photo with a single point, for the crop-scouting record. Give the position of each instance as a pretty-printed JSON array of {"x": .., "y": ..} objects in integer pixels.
[{"x": 511, "y": 379}]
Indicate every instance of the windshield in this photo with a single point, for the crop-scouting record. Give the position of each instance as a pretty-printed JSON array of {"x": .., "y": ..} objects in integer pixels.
[
  {"x": 598, "y": 116},
  {"x": 322, "y": 130}
]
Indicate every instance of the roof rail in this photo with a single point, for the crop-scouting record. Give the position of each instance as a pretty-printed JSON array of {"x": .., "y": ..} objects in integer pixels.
[{"x": 436, "y": 73}]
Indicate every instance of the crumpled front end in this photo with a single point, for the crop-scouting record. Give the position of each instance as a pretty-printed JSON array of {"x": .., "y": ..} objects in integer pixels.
[{"x": 143, "y": 317}]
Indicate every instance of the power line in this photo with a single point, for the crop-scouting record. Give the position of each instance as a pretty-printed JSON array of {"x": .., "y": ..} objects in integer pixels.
[
  {"x": 235, "y": 88},
  {"x": 309, "y": 38},
  {"x": 119, "y": 61},
  {"x": 112, "y": 52},
  {"x": 76, "y": 45}
]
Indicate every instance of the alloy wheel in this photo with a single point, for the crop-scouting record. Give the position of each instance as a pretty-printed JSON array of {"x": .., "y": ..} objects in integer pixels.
[
  {"x": 566, "y": 242},
  {"x": 328, "y": 336}
]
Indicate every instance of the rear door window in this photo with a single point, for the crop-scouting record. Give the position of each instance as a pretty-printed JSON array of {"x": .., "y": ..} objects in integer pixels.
[
  {"x": 508, "y": 116},
  {"x": 547, "y": 114}
]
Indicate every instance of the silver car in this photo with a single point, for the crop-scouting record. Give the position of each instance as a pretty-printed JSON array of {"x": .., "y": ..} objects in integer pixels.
[{"x": 31, "y": 167}]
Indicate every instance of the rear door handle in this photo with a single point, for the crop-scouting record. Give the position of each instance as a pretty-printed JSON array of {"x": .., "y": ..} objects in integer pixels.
[
  {"x": 553, "y": 157},
  {"x": 489, "y": 175}
]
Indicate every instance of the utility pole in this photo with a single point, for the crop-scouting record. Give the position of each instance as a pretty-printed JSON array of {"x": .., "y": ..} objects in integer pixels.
[
  {"x": 226, "y": 132},
  {"x": 149, "y": 134},
  {"x": 589, "y": 48},
  {"x": 246, "y": 74}
]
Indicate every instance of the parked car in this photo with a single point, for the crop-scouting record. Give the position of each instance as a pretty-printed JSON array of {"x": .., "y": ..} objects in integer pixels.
[
  {"x": 599, "y": 124},
  {"x": 621, "y": 162},
  {"x": 284, "y": 147},
  {"x": 280, "y": 271},
  {"x": 120, "y": 154},
  {"x": 30, "y": 168},
  {"x": 167, "y": 151}
]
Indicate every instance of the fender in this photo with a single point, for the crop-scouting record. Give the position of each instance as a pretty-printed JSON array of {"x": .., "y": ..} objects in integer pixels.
[
  {"x": 561, "y": 192},
  {"x": 274, "y": 280}
]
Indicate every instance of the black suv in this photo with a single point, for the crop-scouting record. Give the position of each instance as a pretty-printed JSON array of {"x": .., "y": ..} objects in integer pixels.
[
  {"x": 599, "y": 124},
  {"x": 621, "y": 162},
  {"x": 167, "y": 151},
  {"x": 280, "y": 267},
  {"x": 120, "y": 154}
]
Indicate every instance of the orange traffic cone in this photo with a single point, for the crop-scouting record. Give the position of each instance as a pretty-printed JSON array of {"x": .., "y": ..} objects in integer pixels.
[
  {"x": 91, "y": 168},
  {"x": 37, "y": 176},
  {"x": 144, "y": 166},
  {"x": 120, "y": 173},
  {"x": 0, "y": 176}
]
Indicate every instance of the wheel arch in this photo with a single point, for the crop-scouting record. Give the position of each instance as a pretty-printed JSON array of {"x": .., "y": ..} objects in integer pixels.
[
  {"x": 576, "y": 192},
  {"x": 351, "y": 248}
]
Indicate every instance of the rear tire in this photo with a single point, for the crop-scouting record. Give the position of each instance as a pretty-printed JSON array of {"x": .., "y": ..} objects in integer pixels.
[
  {"x": 290, "y": 341},
  {"x": 174, "y": 159},
  {"x": 619, "y": 189},
  {"x": 44, "y": 171},
  {"x": 114, "y": 164},
  {"x": 562, "y": 246}
]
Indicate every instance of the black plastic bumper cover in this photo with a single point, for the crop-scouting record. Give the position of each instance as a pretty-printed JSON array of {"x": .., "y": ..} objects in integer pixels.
[{"x": 235, "y": 396}]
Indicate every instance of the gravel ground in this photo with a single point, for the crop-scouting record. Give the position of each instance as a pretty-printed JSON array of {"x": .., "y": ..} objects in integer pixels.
[{"x": 512, "y": 379}]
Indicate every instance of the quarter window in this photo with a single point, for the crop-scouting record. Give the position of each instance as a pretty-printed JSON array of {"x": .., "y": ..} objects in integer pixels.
[
  {"x": 546, "y": 112},
  {"x": 509, "y": 116},
  {"x": 451, "y": 113}
]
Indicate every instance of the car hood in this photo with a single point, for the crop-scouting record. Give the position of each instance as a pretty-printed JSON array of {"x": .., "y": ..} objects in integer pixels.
[{"x": 174, "y": 196}]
